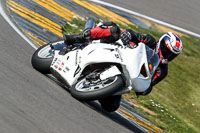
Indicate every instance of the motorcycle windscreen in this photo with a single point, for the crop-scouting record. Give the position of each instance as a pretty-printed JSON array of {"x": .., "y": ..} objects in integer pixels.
[{"x": 137, "y": 67}]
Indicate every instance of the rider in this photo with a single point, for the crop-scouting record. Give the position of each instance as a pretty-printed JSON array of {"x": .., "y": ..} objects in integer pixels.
[{"x": 168, "y": 46}]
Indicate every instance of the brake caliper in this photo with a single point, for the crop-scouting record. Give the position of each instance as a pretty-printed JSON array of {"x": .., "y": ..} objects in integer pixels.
[{"x": 93, "y": 78}]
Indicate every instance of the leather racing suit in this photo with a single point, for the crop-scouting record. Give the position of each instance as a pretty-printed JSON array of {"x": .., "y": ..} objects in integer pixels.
[{"x": 109, "y": 32}]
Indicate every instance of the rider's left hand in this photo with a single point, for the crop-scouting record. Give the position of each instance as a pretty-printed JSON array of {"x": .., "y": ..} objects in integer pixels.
[{"x": 125, "y": 37}]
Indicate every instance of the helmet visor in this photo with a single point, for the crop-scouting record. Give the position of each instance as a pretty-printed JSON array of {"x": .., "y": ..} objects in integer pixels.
[{"x": 166, "y": 53}]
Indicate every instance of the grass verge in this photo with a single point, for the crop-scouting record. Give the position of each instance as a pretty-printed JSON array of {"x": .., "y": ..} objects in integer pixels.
[{"x": 175, "y": 100}]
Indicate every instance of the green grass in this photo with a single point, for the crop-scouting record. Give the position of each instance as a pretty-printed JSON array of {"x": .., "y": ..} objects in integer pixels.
[{"x": 176, "y": 99}]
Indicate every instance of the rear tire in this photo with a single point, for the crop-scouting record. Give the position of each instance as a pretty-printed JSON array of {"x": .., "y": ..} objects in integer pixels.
[
  {"x": 107, "y": 91},
  {"x": 43, "y": 56},
  {"x": 41, "y": 64}
]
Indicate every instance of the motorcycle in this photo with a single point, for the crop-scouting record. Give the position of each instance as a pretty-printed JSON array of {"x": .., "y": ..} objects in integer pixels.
[{"x": 98, "y": 71}]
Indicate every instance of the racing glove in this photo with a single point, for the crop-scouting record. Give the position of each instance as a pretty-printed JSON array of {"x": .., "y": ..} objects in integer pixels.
[{"x": 125, "y": 37}]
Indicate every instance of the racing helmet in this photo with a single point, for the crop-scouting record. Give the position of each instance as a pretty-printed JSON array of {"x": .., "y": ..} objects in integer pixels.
[{"x": 169, "y": 46}]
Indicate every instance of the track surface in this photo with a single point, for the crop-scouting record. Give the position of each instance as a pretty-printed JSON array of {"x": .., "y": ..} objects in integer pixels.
[
  {"x": 31, "y": 102},
  {"x": 182, "y": 13}
]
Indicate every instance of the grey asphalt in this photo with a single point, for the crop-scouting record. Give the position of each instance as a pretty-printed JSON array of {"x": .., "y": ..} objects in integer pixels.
[
  {"x": 182, "y": 13},
  {"x": 32, "y": 103}
]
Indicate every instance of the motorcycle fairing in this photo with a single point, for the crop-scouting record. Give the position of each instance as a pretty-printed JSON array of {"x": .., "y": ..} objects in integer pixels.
[
  {"x": 134, "y": 59},
  {"x": 70, "y": 66}
]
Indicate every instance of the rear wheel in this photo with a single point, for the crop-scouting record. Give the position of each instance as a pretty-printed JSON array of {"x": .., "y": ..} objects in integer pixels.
[
  {"x": 87, "y": 89},
  {"x": 43, "y": 56}
]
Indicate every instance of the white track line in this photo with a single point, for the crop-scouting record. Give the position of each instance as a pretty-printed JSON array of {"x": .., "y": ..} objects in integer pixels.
[
  {"x": 148, "y": 18},
  {"x": 5, "y": 16},
  {"x": 3, "y": 13}
]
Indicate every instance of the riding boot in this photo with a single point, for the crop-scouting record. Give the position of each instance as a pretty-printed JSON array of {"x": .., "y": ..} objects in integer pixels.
[
  {"x": 110, "y": 103},
  {"x": 71, "y": 39},
  {"x": 81, "y": 38}
]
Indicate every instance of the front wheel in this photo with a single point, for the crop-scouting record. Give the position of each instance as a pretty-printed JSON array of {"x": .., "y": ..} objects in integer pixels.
[{"x": 93, "y": 90}]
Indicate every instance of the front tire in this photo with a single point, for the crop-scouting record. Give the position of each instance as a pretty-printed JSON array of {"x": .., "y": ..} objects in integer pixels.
[{"x": 83, "y": 91}]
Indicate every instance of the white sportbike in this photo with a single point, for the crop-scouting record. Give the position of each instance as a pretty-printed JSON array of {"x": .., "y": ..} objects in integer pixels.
[{"x": 95, "y": 70}]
